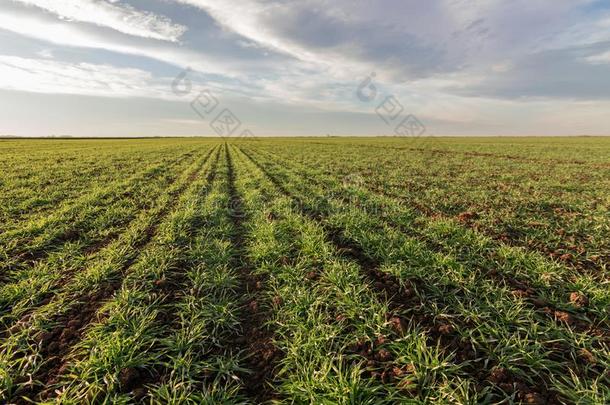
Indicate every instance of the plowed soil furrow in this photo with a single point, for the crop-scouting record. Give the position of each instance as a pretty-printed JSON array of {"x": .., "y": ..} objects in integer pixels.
[
  {"x": 584, "y": 266},
  {"x": 41, "y": 210},
  {"x": 33, "y": 256},
  {"x": 473, "y": 154},
  {"x": 172, "y": 287},
  {"x": 262, "y": 355},
  {"x": 66, "y": 276},
  {"x": 521, "y": 288},
  {"x": 57, "y": 343},
  {"x": 402, "y": 297}
]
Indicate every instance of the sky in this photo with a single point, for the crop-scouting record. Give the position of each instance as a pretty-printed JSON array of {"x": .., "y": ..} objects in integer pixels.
[{"x": 304, "y": 67}]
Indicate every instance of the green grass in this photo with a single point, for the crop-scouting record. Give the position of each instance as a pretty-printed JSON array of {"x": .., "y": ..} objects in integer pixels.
[{"x": 306, "y": 270}]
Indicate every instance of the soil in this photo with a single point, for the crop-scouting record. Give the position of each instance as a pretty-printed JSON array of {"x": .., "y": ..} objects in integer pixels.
[
  {"x": 171, "y": 287},
  {"x": 400, "y": 294},
  {"x": 263, "y": 356},
  {"x": 56, "y": 344}
]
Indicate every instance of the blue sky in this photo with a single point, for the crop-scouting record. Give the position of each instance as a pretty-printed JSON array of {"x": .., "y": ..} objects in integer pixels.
[{"x": 295, "y": 67}]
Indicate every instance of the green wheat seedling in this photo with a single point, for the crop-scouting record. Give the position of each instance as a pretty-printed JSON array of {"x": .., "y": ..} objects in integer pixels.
[{"x": 305, "y": 270}]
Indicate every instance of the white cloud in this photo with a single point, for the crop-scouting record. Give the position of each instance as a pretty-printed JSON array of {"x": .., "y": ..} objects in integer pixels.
[
  {"x": 602, "y": 58},
  {"x": 402, "y": 41},
  {"x": 45, "y": 53},
  {"x": 245, "y": 19},
  {"x": 464, "y": 63},
  {"x": 72, "y": 34},
  {"x": 120, "y": 17},
  {"x": 53, "y": 77}
]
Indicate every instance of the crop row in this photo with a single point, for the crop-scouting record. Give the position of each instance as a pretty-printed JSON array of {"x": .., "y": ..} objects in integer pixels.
[
  {"x": 44, "y": 324},
  {"x": 488, "y": 324},
  {"x": 38, "y": 177},
  {"x": 556, "y": 208},
  {"x": 280, "y": 271}
]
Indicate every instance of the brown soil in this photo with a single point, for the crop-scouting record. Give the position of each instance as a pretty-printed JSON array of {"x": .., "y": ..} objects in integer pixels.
[
  {"x": 56, "y": 344},
  {"x": 171, "y": 287},
  {"x": 523, "y": 290},
  {"x": 520, "y": 287},
  {"x": 579, "y": 299},
  {"x": 263, "y": 356},
  {"x": 400, "y": 295}
]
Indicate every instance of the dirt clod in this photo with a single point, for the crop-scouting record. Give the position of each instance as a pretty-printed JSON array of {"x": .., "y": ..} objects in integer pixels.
[
  {"x": 397, "y": 325},
  {"x": 340, "y": 318},
  {"x": 312, "y": 275},
  {"x": 467, "y": 216},
  {"x": 564, "y": 317},
  {"x": 587, "y": 357},
  {"x": 499, "y": 375},
  {"x": 384, "y": 355},
  {"x": 128, "y": 377},
  {"x": 533, "y": 398},
  {"x": 519, "y": 293},
  {"x": 380, "y": 340},
  {"x": 579, "y": 299},
  {"x": 445, "y": 329}
]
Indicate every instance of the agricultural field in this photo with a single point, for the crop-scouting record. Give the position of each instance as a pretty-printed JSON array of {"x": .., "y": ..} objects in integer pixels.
[{"x": 305, "y": 270}]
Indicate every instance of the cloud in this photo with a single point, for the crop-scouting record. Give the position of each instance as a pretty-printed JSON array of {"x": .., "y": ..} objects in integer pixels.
[
  {"x": 579, "y": 73},
  {"x": 45, "y": 53},
  {"x": 53, "y": 77},
  {"x": 340, "y": 38},
  {"x": 451, "y": 62},
  {"x": 602, "y": 58},
  {"x": 112, "y": 14},
  {"x": 400, "y": 39},
  {"x": 43, "y": 27}
]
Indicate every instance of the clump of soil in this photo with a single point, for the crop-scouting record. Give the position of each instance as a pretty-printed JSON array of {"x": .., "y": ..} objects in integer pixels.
[
  {"x": 502, "y": 377},
  {"x": 499, "y": 375},
  {"x": 397, "y": 325},
  {"x": 468, "y": 216},
  {"x": 563, "y": 317},
  {"x": 586, "y": 357},
  {"x": 380, "y": 364},
  {"x": 579, "y": 299},
  {"x": 128, "y": 378},
  {"x": 445, "y": 329}
]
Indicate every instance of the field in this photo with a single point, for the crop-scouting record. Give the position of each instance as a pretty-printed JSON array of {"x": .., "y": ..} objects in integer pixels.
[{"x": 308, "y": 270}]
